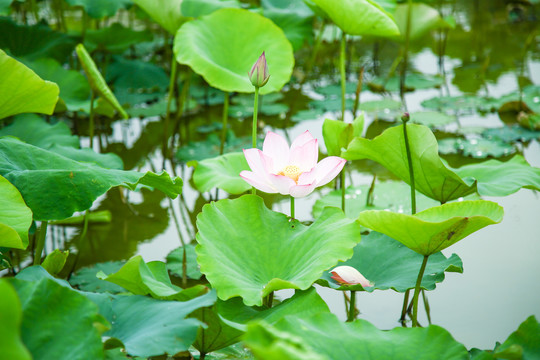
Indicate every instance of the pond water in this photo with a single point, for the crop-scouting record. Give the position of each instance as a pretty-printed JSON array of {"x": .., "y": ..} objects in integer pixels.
[{"x": 499, "y": 287}]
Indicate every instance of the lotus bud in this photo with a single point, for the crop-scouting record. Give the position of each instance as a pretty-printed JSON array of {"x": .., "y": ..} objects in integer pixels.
[
  {"x": 347, "y": 275},
  {"x": 406, "y": 117},
  {"x": 259, "y": 72}
]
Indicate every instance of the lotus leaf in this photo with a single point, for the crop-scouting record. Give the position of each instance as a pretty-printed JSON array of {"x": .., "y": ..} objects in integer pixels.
[
  {"x": 55, "y": 261},
  {"x": 70, "y": 185},
  {"x": 389, "y": 264},
  {"x": 436, "y": 228},
  {"x": 198, "y": 8},
  {"x": 222, "y": 172},
  {"x": 526, "y": 337},
  {"x": 22, "y": 91},
  {"x": 338, "y": 134},
  {"x": 166, "y": 13},
  {"x": 217, "y": 334},
  {"x": 100, "y": 8},
  {"x": 10, "y": 320},
  {"x": 32, "y": 129},
  {"x": 510, "y": 134},
  {"x": 85, "y": 279},
  {"x": 223, "y": 46},
  {"x": 294, "y": 18},
  {"x": 360, "y": 17},
  {"x": 249, "y": 251},
  {"x": 115, "y": 38},
  {"x": 15, "y": 217},
  {"x": 424, "y": 19},
  {"x": 476, "y": 147},
  {"x": 69, "y": 323},
  {"x": 497, "y": 178},
  {"x": 152, "y": 279},
  {"x": 432, "y": 118},
  {"x": 175, "y": 262},
  {"x": 323, "y": 336},
  {"x": 432, "y": 177},
  {"x": 96, "y": 80}
]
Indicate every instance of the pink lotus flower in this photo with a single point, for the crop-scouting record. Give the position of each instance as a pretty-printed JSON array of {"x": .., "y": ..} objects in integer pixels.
[
  {"x": 290, "y": 171},
  {"x": 347, "y": 275},
  {"x": 259, "y": 72}
]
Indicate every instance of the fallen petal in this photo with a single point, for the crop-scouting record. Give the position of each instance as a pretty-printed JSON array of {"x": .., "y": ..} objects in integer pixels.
[{"x": 347, "y": 275}]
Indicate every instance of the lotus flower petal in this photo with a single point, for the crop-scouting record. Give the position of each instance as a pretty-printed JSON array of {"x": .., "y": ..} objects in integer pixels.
[{"x": 347, "y": 275}]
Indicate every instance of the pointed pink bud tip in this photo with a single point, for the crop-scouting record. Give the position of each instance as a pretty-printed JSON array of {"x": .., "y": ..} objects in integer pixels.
[
  {"x": 259, "y": 72},
  {"x": 347, "y": 275}
]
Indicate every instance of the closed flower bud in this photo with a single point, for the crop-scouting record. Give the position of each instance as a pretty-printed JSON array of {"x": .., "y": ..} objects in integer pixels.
[{"x": 259, "y": 72}]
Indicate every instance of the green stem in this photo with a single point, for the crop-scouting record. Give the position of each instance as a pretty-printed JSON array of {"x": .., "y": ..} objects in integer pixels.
[
  {"x": 411, "y": 169},
  {"x": 358, "y": 91},
  {"x": 342, "y": 73},
  {"x": 352, "y": 307},
  {"x": 224, "y": 122},
  {"x": 316, "y": 47},
  {"x": 40, "y": 242},
  {"x": 254, "y": 126},
  {"x": 342, "y": 184},
  {"x": 91, "y": 121},
  {"x": 417, "y": 291},
  {"x": 172, "y": 83},
  {"x": 426, "y": 306},
  {"x": 405, "y": 53},
  {"x": 404, "y": 308},
  {"x": 292, "y": 207},
  {"x": 182, "y": 242}
]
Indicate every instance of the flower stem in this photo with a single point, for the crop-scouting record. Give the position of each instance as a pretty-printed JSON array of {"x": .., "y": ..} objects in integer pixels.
[
  {"x": 224, "y": 122},
  {"x": 342, "y": 73},
  {"x": 417, "y": 291},
  {"x": 91, "y": 119},
  {"x": 404, "y": 308},
  {"x": 172, "y": 82},
  {"x": 352, "y": 307},
  {"x": 403, "y": 72},
  {"x": 411, "y": 169},
  {"x": 40, "y": 242},
  {"x": 254, "y": 126},
  {"x": 292, "y": 207},
  {"x": 342, "y": 184}
]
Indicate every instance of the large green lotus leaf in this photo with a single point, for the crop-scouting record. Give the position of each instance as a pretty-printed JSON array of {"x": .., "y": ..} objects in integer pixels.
[
  {"x": 89, "y": 156},
  {"x": 526, "y": 337},
  {"x": 10, "y": 324},
  {"x": 132, "y": 75},
  {"x": 295, "y": 18},
  {"x": 5, "y": 7},
  {"x": 424, "y": 18},
  {"x": 431, "y": 177},
  {"x": 150, "y": 327},
  {"x": 115, "y": 38},
  {"x": 227, "y": 319},
  {"x": 152, "y": 279},
  {"x": 391, "y": 195},
  {"x": 54, "y": 187},
  {"x": 222, "y": 172},
  {"x": 34, "y": 130},
  {"x": 324, "y": 336},
  {"x": 198, "y": 8},
  {"x": 175, "y": 262},
  {"x": 74, "y": 89},
  {"x": 166, "y": 13},
  {"x": 68, "y": 322},
  {"x": 15, "y": 217},
  {"x": 98, "y": 9},
  {"x": 497, "y": 178},
  {"x": 436, "y": 228},
  {"x": 85, "y": 279},
  {"x": 34, "y": 42},
  {"x": 22, "y": 91},
  {"x": 360, "y": 17},
  {"x": 302, "y": 303},
  {"x": 96, "y": 80},
  {"x": 249, "y": 251},
  {"x": 223, "y": 46},
  {"x": 389, "y": 264}
]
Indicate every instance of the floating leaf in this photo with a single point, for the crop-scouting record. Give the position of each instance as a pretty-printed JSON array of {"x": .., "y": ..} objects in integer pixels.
[
  {"x": 68, "y": 321},
  {"x": 413, "y": 81},
  {"x": 511, "y": 134},
  {"x": 497, "y": 178},
  {"x": 360, "y": 17},
  {"x": 86, "y": 280},
  {"x": 152, "y": 279},
  {"x": 324, "y": 336},
  {"x": 222, "y": 172},
  {"x": 436, "y": 228},
  {"x": 243, "y": 36},
  {"x": 32, "y": 129},
  {"x": 389, "y": 264},
  {"x": 70, "y": 185},
  {"x": 432, "y": 118},
  {"x": 461, "y": 102},
  {"x": 334, "y": 90},
  {"x": 165, "y": 12},
  {"x": 201, "y": 150},
  {"x": 98, "y": 9},
  {"x": 391, "y": 195},
  {"x": 15, "y": 217},
  {"x": 249, "y": 251},
  {"x": 432, "y": 178},
  {"x": 175, "y": 262},
  {"x": 380, "y": 105},
  {"x": 476, "y": 147},
  {"x": 10, "y": 318},
  {"x": 96, "y": 80},
  {"x": 22, "y": 91}
]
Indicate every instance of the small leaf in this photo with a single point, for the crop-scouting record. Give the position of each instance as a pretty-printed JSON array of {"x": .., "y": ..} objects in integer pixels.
[
  {"x": 55, "y": 261},
  {"x": 222, "y": 172}
]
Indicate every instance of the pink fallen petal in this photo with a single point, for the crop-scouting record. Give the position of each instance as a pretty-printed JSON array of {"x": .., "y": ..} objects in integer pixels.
[
  {"x": 305, "y": 156},
  {"x": 347, "y": 275},
  {"x": 328, "y": 168},
  {"x": 257, "y": 182},
  {"x": 301, "y": 139},
  {"x": 276, "y": 147}
]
